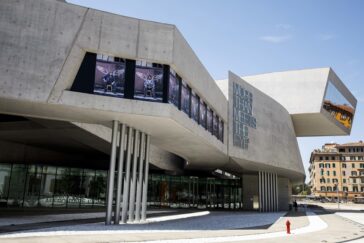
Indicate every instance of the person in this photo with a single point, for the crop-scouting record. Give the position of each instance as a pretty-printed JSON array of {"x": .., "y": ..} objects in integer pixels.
[{"x": 295, "y": 205}]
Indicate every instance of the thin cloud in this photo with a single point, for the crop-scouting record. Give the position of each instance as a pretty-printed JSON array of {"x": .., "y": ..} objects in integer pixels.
[
  {"x": 325, "y": 37},
  {"x": 276, "y": 39},
  {"x": 283, "y": 26}
]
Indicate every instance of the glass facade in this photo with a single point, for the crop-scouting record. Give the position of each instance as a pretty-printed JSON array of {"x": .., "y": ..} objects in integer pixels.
[
  {"x": 63, "y": 187},
  {"x": 50, "y": 186},
  {"x": 338, "y": 106}
]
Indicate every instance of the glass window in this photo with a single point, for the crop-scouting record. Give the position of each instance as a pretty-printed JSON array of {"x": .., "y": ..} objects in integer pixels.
[
  {"x": 194, "y": 106},
  {"x": 173, "y": 93},
  {"x": 47, "y": 186},
  {"x": 85, "y": 192},
  {"x": 109, "y": 76},
  {"x": 209, "y": 119},
  {"x": 32, "y": 186},
  {"x": 203, "y": 113},
  {"x": 344, "y": 180},
  {"x": 354, "y": 173},
  {"x": 185, "y": 99},
  {"x": 5, "y": 172},
  {"x": 16, "y": 189},
  {"x": 344, "y": 173},
  {"x": 353, "y": 165},
  {"x": 148, "y": 82},
  {"x": 343, "y": 165},
  {"x": 221, "y": 130},
  {"x": 334, "y": 173},
  {"x": 333, "y": 165},
  {"x": 215, "y": 125},
  {"x": 98, "y": 188},
  {"x": 328, "y": 173},
  {"x": 338, "y": 106}
]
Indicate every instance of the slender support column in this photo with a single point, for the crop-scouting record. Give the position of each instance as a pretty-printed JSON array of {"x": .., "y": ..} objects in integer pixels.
[
  {"x": 260, "y": 190},
  {"x": 263, "y": 190},
  {"x": 140, "y": 179},
  {"x": 277, "y": 192},
  {"x": 133, "y": 177},
  {"x": 124, "y": 209},
  {"x": 266, "y": 190},
  {"x": 269, "y": 192},
  {"x": 120, "y": 172},
  {"x": 110, "y": 181},
  {"x": 145, "y": 180}
]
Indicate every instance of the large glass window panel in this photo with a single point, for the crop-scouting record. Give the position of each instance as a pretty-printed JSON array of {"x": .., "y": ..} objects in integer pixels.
[
  {"x": 98, "y": 188},
  {"x": 47, "y": 186},
  {"x": 17, "y": 183},
  {"x": 173, "y": 93},
  {"x": 215, "y": 125},
  {"x": 5, "y": 171},
  {"x": 338, "y": 106},
  {"x": 85, "y": 191},
  {"x": 185, "y": 99},
  {"x": 61, "y": 187},
  {"x": 148, "y": 83},
  {"x": 109, "y": 78},
  {"x": 194, "y": 106},
  {"x": 209, "y": 120},
  {"x": 32, "y": 186},
  {"x": 75, "y": 179},
  {"x": 221, "y": 130},
  {"x": 202, "y": 113}
]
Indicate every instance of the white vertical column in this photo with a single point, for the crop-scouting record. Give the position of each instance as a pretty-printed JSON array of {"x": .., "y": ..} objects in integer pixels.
[
  {"x": 270, "y": 191},
  {"x": 124, "y": 209},
  {"x": 133, "y": 177},
  {"x": 264, "y": 192},
  {"x": 260, "y": 190},
  {"x": 110, "y": 181},
  {"x": 120, "y": 172},
  {"x": 145, "y": 180},
  {"x": 277, "y": 193},
  {"x": 140, "y": 178}
]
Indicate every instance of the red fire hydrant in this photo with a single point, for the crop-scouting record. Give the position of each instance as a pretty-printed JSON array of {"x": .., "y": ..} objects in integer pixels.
[{"x": 288, "y": 226}]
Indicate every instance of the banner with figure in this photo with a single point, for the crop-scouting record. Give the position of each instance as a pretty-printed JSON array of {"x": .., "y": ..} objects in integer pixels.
[
  {"x": 109, "y": 78},
  {"x": 148, "y": 83}
]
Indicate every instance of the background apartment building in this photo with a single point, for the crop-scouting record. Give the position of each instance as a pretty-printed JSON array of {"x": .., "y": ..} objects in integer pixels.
[{"x": 338, "y": 169}]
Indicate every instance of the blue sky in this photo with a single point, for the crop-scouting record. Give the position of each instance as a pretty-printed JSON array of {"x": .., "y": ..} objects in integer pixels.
[{"x": 251, "y": 37}]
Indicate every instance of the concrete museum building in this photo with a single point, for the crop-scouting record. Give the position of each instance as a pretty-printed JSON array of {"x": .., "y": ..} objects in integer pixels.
[{"x": 98, "y": 110}]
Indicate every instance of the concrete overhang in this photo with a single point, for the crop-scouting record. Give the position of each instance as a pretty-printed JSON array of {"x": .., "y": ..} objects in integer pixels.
[
  {"x": 170, "y": 128},
  {"x": 303, "y": 94}
]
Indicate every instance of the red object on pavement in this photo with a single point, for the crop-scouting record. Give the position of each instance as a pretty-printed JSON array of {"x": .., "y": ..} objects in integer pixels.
[{"x": 288, "y": 226}]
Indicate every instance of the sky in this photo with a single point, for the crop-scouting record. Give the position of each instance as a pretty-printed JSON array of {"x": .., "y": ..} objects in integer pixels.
[{"x": 259, "y": 36}]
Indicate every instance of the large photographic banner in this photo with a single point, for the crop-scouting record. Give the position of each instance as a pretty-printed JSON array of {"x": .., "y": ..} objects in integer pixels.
[
  {"x": 221, "y": 130},
  {"x": 109, "y": 78},
  {"x": 148, "y": 83},
  {"x": 194, "y": 106},
  {"x": 209, "y": 119},
  {"x": 173, "y": 93},
  {"x": 202, "y": 113},
  {"x": 185, "y": 99},
  {"x": 215, "y": 125}
]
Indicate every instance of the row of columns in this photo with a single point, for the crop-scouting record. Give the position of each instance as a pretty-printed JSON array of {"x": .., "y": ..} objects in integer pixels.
[
  {"x": 132, "y": 158},
  {"x": 268, "y": 192}
]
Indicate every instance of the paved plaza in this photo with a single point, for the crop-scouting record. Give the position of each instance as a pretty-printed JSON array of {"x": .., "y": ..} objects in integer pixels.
[{"x": 314, "y": 224}]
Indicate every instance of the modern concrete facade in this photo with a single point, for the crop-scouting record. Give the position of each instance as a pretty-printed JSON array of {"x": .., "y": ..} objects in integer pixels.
[{"x": 53, "y": 51}]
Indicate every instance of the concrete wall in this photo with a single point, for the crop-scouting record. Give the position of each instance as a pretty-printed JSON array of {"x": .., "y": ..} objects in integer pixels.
[
  {"x": 44, "y": 42},
  {"x": 250, "y": 190},
  {"x": 284, "y": 193},
  {"x": 272, "y": 144}
]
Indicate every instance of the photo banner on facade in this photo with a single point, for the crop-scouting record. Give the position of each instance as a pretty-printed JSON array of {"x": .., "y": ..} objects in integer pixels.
[
  {"x": 148, "y": 83},
  {"x": 109, "y": 78}
]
